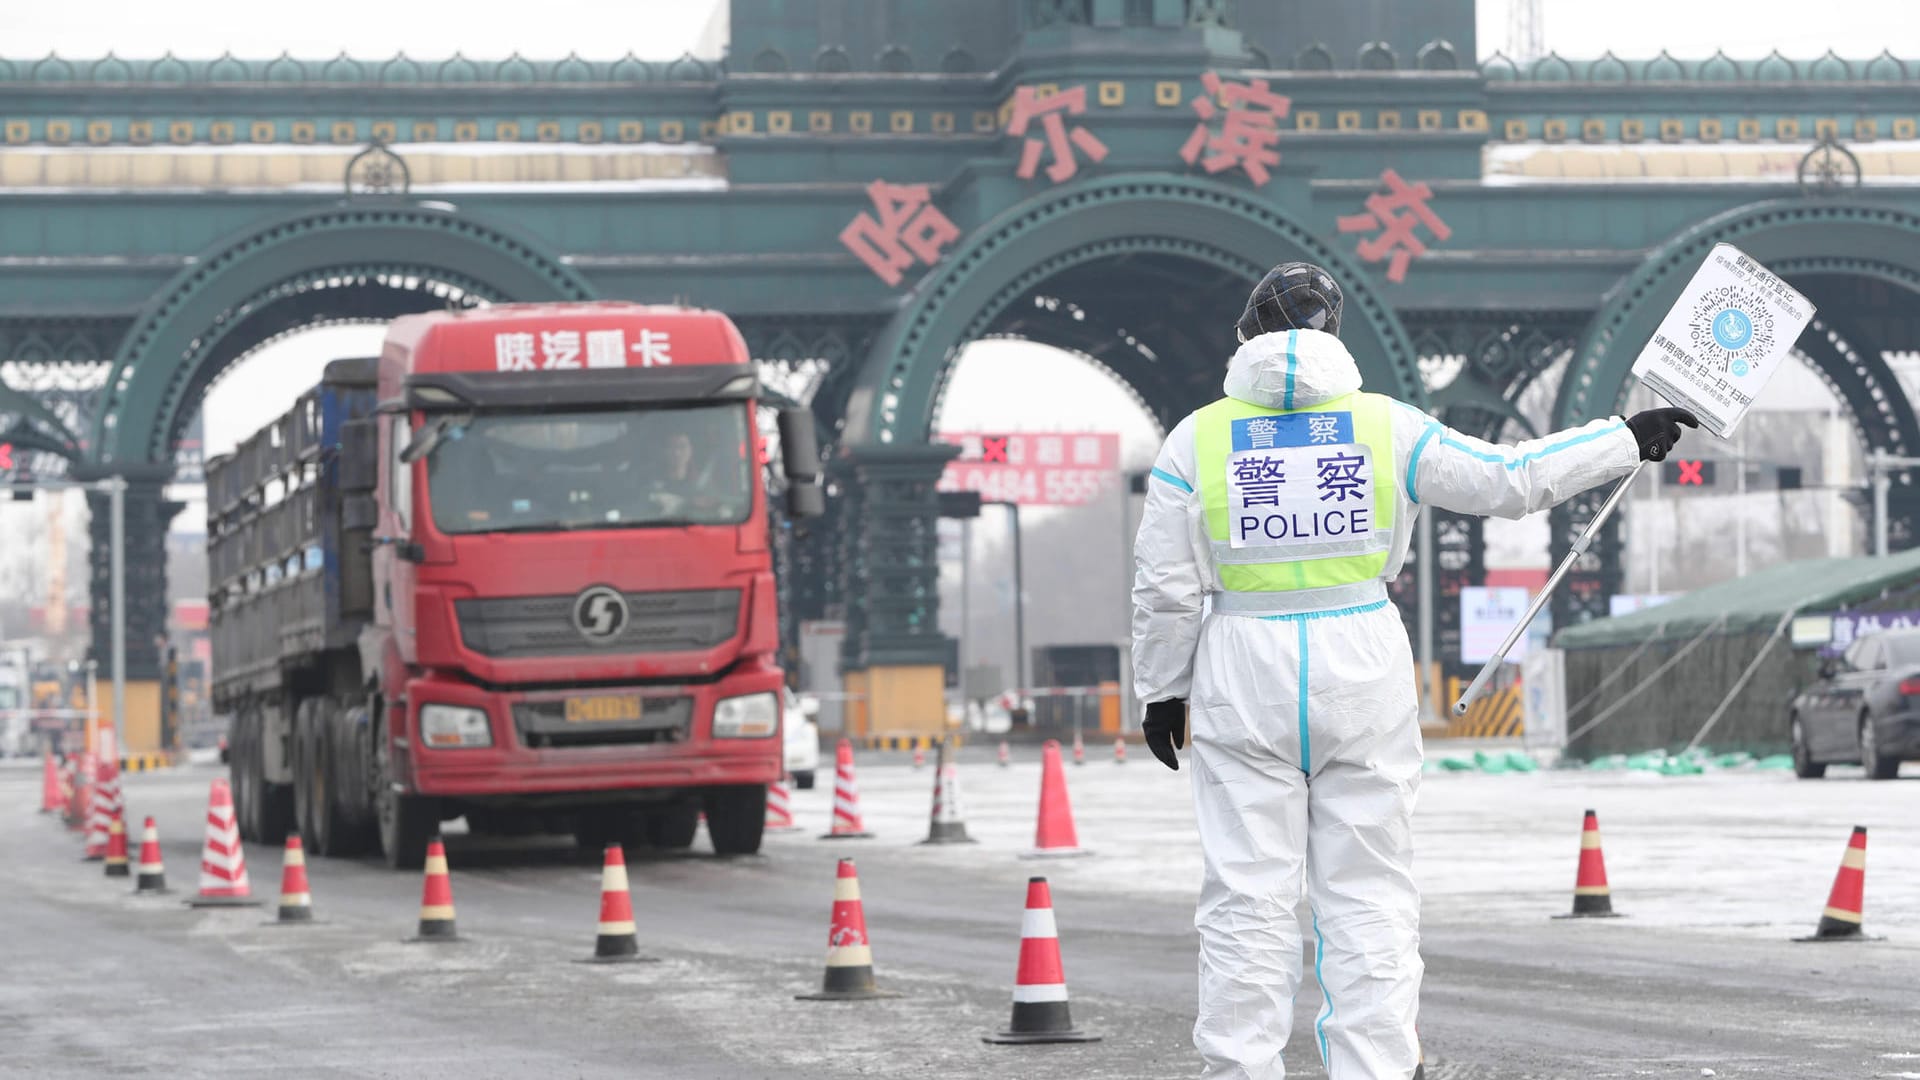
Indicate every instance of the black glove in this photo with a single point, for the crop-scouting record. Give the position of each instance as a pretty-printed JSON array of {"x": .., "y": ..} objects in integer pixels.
[
  {"x": 1166, "y": 729},
  {"x": 1657, "y": 430}
]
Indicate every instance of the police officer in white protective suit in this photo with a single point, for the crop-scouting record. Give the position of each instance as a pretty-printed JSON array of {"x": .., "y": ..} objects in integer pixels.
[{"x": 1274, "y": 519}]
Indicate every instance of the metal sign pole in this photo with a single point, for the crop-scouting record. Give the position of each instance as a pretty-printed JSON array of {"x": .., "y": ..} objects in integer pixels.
[
  {"x": 1579, "y": 548},
  {"x": 116, "y": 497},
  {"x": 1019, "y": 603},
  {"x": 93, "y": 707},
  {"x": 1877, "y": 468},
  {"x": 1423, "y": 577},
  {"x": 1655, "y": 539},
  {"x": 966, "y": 608}
]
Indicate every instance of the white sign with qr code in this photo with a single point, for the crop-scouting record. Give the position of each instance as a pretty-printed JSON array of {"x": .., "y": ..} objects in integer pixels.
[{"x": 1731, "y": 329}]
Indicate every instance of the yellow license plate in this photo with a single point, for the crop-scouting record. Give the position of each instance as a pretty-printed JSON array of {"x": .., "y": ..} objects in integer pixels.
[{"x": 604, "y": 708}]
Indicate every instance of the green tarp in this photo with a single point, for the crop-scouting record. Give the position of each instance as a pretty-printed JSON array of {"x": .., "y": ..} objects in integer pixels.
[{"x": 1754, "y": 602}]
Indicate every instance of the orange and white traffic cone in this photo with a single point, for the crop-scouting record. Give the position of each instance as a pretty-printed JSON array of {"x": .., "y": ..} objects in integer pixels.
[
  {"x": 1054, "y": 834},
  {"x": 849, "y": 974},
  {"x": 846, "y": 798},
  {"x": 110, "y": 795},
  {"x": 617, "y": 940},
  {"x": 1040, "y": 1012},
  {"x": 779, "y": 807},
  {"x": 116, "y": 857},
  {"x": 436, "y": 898},
  {"x": 1119, "y": 749},
  {"x": 151, "y": 875},
  {"x": 79, "y": 790},
  {"x": 223, "y": 862},
  {"x": 105, "y": 803},
  {"x": 296, "y": 900},
  {"x": 1591, "y": 897},
  {"x": 1079, "y": 749},
  {"x": 949, "y": 824},
  {"x": 52, "y": 791},
  {"x": 919, "y": 753},
  {"x": 1006, "y": 756},
  {"x": 1844, "y": 917}
]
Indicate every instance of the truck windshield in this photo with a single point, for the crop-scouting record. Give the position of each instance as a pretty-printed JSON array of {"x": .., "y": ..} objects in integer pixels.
[{"x": 603, "y": 469}]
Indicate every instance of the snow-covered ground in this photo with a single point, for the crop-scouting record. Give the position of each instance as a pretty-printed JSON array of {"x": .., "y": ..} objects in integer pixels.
[{"x": 1736, "y": 851}]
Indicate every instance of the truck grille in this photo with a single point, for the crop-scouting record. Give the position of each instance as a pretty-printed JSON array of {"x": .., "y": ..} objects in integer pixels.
[
  {"x": 544, "y": 724},
  {"x": 543, "y": 625}
]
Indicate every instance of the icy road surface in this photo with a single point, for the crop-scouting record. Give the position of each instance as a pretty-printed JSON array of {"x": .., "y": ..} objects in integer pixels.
[{"x": 1714, "y": 874}]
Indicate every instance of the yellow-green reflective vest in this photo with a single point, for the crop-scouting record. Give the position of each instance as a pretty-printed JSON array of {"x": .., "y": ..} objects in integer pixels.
[{"x": 1299, "y": 502}]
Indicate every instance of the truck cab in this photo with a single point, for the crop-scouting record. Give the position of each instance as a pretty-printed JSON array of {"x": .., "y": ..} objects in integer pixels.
[{"x": 548, "y": 601}]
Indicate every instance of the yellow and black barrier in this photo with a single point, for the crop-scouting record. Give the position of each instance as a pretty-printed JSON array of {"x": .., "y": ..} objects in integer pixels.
[
  {"x": 908, "y": 742},
  {"x": 1496, "y": 714},
  {"x": 146, "y": 762}
]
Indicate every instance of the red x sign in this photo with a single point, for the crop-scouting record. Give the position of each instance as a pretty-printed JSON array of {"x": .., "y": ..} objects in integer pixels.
[
  {"x": 1690, "y": 472},
  {"x": 993, "y": 451}
]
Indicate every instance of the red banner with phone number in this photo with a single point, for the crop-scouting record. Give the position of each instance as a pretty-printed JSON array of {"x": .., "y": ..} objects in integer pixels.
[{"x": 1033, "y": 469}]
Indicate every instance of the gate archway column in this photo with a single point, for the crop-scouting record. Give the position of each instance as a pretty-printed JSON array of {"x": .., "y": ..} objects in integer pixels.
[
  {"x": 1598, "y": 574},
  {"x": 894, "y": 657},
  {"x": 149, "y": 513}
]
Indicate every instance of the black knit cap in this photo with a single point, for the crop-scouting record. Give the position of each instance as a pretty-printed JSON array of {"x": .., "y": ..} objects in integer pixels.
[{"x": 1293, "y": 296}]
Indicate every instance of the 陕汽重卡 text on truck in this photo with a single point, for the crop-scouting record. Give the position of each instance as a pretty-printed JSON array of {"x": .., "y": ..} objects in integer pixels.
[{"x": 516, "y": 569}]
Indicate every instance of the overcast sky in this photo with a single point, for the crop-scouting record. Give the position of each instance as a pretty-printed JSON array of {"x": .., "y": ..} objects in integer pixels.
[
  {"x": 1855, "y": 29},
  {"x": 423, "y": 29},
  {"x": 604, "y": 29}
]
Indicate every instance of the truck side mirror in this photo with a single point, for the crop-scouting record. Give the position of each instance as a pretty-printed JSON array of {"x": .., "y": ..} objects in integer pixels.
[
  {"x": 800, "y": 461},
  {"x": 805, "y": 500},
  {"x": 359, "y": 455},
  {"x": 799, "y": 450}
]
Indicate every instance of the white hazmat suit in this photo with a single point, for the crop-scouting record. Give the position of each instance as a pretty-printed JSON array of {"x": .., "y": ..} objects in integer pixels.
[{"x": 1305, "y": 739}]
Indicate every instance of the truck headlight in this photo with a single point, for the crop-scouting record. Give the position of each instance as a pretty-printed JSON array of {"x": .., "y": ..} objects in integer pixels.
[
  {"x": 752, "y": 716},
  {"x": 448, "y": 727}
]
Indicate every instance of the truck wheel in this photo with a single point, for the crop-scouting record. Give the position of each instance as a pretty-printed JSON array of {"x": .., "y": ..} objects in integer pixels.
[
  {"x": 301, "y": 746},
  {"x": 264, "y": 810},
  {"x": 343, "y": 832},
  {"x": 242, "y": 778},
  {"x": 803, "y": 780},
  {"x": 407, "y": 822},
  {"x": 737, "y": 818},
  {"x": 672, "y": 827}
]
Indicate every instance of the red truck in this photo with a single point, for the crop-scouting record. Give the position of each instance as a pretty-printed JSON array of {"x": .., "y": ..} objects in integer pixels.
[{"x": 517, "y": 569}]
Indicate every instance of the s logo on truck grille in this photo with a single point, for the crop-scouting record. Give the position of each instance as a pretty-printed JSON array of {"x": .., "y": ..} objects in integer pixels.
[{"x": 600, "y": 614}]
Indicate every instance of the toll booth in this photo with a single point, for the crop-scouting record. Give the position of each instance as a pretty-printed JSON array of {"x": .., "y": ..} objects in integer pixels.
[{"x": 1080, "y": 668}]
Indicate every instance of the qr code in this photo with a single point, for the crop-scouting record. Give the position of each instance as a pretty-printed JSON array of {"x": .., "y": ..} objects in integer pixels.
[{"x": 1731, "y": 327}]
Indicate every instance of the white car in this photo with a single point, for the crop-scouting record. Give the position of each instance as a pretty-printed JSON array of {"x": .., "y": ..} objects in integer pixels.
[{"x": 802, "y": 737}]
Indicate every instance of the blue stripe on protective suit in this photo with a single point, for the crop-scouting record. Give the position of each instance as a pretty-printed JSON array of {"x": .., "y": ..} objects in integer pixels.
[
  {"x": 1306, "y": 743},
  {"x": 1413, "y": 462},
  {"x": 1320, "y": 1022},
  {"x": 1162, "y": 474},
  {"x": 1514, "y": 463},
  {"x": 1293, "y": 366}
]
